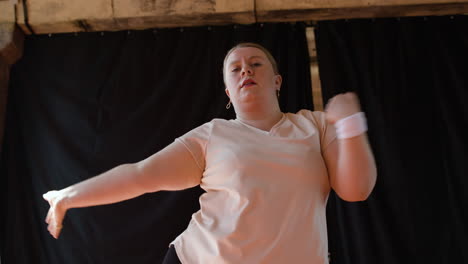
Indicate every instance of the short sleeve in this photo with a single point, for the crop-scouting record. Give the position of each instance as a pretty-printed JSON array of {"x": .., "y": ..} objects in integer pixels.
[
  {"x": 196, "y": 141},
  {"x": 327, "y": 130}
]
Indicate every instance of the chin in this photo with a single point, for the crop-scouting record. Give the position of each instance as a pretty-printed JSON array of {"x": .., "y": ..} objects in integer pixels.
[
  {"x": 250, "y": 103},
  {"x": 249, "y": 98}
]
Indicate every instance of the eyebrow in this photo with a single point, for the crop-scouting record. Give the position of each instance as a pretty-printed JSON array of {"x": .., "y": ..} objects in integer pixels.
[{"x": 251, "y": 57}]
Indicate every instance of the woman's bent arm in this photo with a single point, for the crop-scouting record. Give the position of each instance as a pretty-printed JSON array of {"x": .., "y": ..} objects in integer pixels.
[
  {"x": 351, "y": 168},
  {"x": 350, "y": 162}
]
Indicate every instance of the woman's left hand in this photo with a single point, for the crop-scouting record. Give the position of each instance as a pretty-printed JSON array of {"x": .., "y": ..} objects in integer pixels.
[
  {"x": 341, "y": 106},
  {"x": 56, "y": 212}
]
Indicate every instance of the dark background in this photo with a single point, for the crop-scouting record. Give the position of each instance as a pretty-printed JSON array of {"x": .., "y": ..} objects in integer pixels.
[
  {"x": 411, "y": 76},
  {"x": 80, "y": 105}
]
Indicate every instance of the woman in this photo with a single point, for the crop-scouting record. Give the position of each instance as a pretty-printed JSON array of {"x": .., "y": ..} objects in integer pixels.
[{"x": 267, "y": 174}]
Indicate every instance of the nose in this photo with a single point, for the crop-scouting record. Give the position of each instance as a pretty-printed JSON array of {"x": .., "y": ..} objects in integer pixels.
[{"x": 246, "y": 70}]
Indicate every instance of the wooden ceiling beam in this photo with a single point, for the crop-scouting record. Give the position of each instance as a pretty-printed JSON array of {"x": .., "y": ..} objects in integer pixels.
[
  {"x": 54, "y": 16},
  {"x": 277, "y": 11},
  {"x": 57, "y": 16}
]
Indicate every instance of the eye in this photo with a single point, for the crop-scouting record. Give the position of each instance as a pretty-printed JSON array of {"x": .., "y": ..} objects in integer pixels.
[
  {"x": 235, "y": 69},
  {"x": 256, "y": 64}
]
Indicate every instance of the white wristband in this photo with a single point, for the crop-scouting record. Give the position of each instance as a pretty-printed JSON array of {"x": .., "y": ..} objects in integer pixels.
[{"x": 351, "y": 126}]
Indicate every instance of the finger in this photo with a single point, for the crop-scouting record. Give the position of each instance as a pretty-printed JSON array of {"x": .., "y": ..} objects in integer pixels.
[
  {"x": 50, "y": 228},
  {"x": 332, "y": 99},
  {"x": 329, "y": 103},
  {"x": 57, "y": 222},
  {"x": 57, "y": 232},
  {"x": 54, "y": 230},
  {"x": 57, "y": 219},
  {"x": 354, "y": 97},
  {"x": 47, "y": 220}
]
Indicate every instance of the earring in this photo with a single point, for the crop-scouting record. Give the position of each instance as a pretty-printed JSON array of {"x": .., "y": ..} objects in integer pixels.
[
  {"x": 277, "y": 93},
  {"x": 228, "y": 105}
]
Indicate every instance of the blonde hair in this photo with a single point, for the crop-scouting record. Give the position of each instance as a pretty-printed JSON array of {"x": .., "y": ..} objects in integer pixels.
[{"x": 252, "y": 45}]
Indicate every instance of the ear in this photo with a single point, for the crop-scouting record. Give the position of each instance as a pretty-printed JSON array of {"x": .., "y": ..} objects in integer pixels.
[
  {"x": 278, "y": 81},
  {"x": 227, "y": 92}
]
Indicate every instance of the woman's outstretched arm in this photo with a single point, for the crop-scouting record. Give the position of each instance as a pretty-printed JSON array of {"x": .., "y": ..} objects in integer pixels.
[{"x": 172, "y": 168}]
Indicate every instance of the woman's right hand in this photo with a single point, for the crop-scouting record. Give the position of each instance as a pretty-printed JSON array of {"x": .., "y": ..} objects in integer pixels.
[{"x": 56, "y": 212}]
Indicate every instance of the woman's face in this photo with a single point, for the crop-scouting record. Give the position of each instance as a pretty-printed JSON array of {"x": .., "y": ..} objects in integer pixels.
[{"x": 250, "y": 79}]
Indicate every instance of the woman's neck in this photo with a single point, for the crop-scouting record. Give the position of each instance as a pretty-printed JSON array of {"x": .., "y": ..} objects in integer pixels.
[{"x": 263, "y": 120}]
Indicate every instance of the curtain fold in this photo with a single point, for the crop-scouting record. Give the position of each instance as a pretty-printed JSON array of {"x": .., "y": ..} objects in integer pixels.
[
  {"x": 411, "y": 77},
  {"x": 82, "y": 104}
]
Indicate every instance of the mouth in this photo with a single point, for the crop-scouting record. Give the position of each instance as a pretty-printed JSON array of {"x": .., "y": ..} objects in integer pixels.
[{"x": 247, "y": 83}]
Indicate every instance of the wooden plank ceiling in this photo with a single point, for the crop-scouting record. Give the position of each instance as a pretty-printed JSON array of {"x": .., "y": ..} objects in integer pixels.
[{"x": 54, "y": 16}]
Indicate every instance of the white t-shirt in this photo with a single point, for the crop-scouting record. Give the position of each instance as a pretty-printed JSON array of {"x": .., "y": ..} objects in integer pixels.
[{"x": 266, "y": 192}]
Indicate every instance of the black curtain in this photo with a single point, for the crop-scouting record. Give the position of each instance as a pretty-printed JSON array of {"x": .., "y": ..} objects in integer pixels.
[
  {"x": 82, "y": 104},
  {"x": 411, "y": 76}
]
